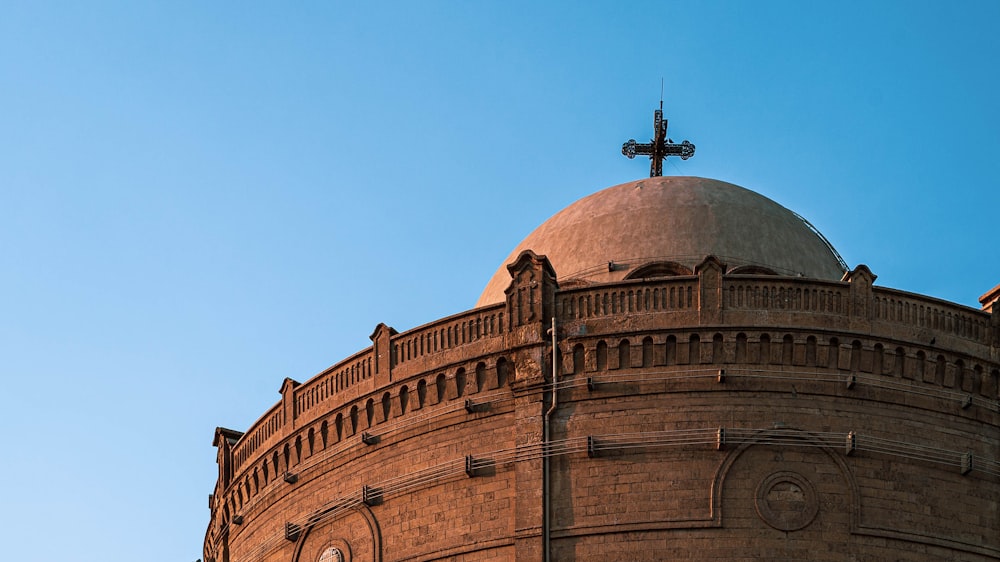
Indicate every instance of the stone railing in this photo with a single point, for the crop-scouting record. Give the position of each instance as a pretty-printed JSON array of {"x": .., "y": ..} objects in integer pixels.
[
  {"x": 267, "y": 426},
  {"x": 449, "y": 333},
  {"x": 302, "y": 403},
  {"x": 791, "y": 294},
  {"x": 629, "y": 297},
  {"x": 900, "y": 307},
  {"x": 336, "y": 379},
  {"x": 853, "y": 305}
]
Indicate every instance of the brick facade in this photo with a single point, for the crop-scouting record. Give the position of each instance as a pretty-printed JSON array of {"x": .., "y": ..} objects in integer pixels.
[{"x": 713, "y": 416}]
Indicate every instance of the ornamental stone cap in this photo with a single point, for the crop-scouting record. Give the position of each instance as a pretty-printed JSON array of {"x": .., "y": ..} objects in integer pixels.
[
  {"x": 666, "y": 226},
  {"x": 990, "y": 298}
]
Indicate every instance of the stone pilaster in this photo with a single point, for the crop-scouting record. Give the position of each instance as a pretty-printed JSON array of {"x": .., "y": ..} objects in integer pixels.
[
  {"x": 288, "y": 412},
  {"x": 224, "y": 440},
  {"x": 861, "y": 279},
  {"x": 529, "y": 407},
  {"x": 710, "y": 272},
  {"x": 530, "y": 308},
  {"x": 531, "y": 294},
  {"x": 382, "y": 353}
]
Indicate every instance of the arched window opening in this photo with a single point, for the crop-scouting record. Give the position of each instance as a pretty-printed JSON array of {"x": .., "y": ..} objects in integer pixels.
[
  {"x": 764, "y": 356},
  {"x": 480, "y": 377},
  {"x": 421, "y": 393},
  {"x": 624, "y": 354},
  {"x": 694, "y": 349},
  {"x": 717, "y": 349},
  {"x": 460, "y": 382},
  {"x": 787, "y": 349},
  {"x": 658, "y": 269},
  {"x": 751, "y": 270},
  {"x": 404, "y": 399},
  {"x": 670, "y": 351},
  {"x": 578, "y": 358},
  {"x": 855, "y": 356},
  {"x": 602, "y": 356},
  {"x": 899, "y": 363},
  {"x": 811, "y": 351},
  {"x": 370, "y": 412},
  {"x": 647, "y": 351},
  {"x": 440, "y": 383},
  {"x": 386, "y": 406}
]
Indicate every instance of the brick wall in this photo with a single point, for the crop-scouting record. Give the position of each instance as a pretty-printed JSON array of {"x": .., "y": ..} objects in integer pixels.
[{"x": 760, "y": 417}]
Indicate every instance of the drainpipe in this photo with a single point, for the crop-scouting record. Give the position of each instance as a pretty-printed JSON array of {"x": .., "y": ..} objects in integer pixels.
[{"x": 546, "y": 478}]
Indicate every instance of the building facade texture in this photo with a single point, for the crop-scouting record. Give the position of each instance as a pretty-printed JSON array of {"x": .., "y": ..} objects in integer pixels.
[{"x": 670, "y": 369}]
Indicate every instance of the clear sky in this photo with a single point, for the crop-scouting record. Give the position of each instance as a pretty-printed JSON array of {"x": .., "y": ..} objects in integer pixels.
[{"x": 199, "y": 199}]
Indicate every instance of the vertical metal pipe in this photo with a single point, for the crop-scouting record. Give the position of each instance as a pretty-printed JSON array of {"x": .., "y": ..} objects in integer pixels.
[{"x": 546, "y": 435}]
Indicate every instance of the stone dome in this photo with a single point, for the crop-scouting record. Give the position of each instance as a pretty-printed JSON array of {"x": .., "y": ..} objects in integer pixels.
[{"x": 666, "y": 226}]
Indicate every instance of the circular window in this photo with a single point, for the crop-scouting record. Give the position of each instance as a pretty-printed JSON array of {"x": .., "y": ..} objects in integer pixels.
[
  {"x": 331, "y": 555},
  {"x": 787, "y": 501}
]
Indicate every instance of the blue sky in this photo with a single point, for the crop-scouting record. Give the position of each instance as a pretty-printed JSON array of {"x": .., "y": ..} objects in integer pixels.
[{"x": 199, "y": 199}]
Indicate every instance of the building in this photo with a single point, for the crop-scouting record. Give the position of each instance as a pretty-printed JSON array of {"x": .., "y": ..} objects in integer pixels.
[{"x": 724, "y": 389}]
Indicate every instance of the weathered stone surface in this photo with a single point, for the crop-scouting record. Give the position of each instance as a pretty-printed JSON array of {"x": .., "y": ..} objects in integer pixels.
[
  {"x": 613, "y": 233},
  {"x": 697, "y": 415}
]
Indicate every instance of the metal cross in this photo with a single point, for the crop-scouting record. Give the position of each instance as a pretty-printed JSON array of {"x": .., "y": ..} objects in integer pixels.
[{"x": 660, "y": 147}]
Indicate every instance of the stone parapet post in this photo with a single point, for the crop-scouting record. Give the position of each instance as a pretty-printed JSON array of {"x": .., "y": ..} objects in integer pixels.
[
  {"x": 531, "y": 294},
  {"x": 530, "y": 300},
  {"x": 288, "y": 412},
  {"x": 710, "y": 272},
  {"x": 860, "y": 307},
  {"x": 224, "y": 440},
  {"x": 382, "y": 353},
  {"x": 994, "y": 327}
]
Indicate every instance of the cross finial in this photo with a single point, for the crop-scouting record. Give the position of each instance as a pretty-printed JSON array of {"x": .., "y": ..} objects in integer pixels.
[{"x": 659, "y": 147}]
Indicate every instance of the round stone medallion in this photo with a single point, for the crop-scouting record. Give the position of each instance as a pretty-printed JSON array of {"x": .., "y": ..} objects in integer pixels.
[
  {"x": 332, "y": 554},
  {"x": 787, "y": 501}
]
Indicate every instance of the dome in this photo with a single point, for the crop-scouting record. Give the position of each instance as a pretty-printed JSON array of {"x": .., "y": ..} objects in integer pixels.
[{"x": 666, "y": 226}]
